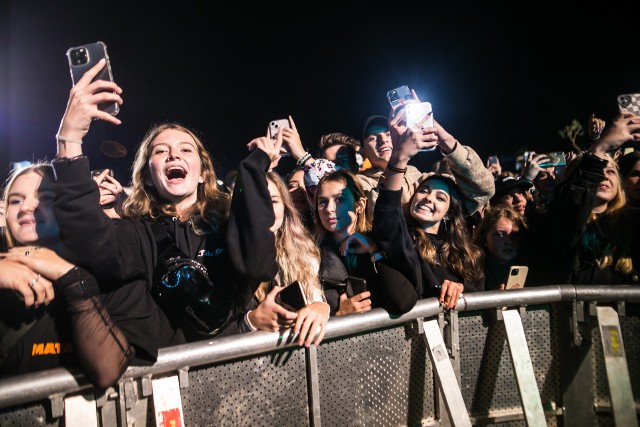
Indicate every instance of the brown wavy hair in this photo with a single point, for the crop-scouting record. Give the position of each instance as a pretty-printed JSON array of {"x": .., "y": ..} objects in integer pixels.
[
  {"x": 459, "y": 254},
  {"x": 212, "y": 204}
]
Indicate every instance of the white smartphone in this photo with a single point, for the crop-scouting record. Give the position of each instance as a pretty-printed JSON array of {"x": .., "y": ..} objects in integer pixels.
[
  {"x": 82, "y": 58},
  {"x": 517, "y": 277},
  {"x": 419, "y": 113},
  {"x": 274, "y": 125}
]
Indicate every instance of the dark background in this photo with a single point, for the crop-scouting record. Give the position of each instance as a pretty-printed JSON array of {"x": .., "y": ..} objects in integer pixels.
[{"x": 501, "y": 79}]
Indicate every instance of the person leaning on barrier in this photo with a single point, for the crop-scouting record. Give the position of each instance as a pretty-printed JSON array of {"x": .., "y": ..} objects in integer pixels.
[
  {"x": 176, "y": 210},
  {"x": 53, "y": 313},
  {"x": 501, "y": 234},
  {"x": 348, "y": 249},
  {"x": 298, "y": 260},
  {"x": 432, "y": 239}
]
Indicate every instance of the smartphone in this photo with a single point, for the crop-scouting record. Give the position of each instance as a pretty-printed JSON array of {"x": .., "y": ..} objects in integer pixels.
[
  {"x": 517, "y": 276},
  {"x": 419, "y": 113},
  {"x": 274, "y": 125},
  {"x": 402, "y": 93},
  {"x": 82, "y": 58},
  {"x": 629, "y": 102},
  {"x": 292, "y": 297},
  {"x": 556, "y": 158},
  {"x": 492, "y": 160},
  {"x": 97, "y": 172},
  {"x": 355, "y": 286}
]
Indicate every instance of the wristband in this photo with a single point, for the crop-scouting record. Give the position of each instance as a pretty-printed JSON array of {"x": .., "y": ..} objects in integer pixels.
[
  {"x": 248, "y": 322},
  {"x": 396, "y": 169},
  {"x": 69, "y": 159},
  {"x": 302, "y": 160}
]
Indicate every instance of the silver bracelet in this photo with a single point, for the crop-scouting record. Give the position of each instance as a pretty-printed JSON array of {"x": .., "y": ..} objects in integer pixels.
[
  {"x": 301, "y": 161},
  {"x": 70, "y": 141}
]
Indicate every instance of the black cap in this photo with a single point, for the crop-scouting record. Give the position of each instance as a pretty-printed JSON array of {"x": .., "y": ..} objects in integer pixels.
[
  {"x": 509, "y": 185},
  {"x": 374, "y": 125}
]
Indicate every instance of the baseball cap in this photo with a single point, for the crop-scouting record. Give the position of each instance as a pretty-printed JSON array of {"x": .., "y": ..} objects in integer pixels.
[
  {"x": 509, "y": 185},
  {"x": 449, "y": 179},
  {"x": 374, "y": 125}
]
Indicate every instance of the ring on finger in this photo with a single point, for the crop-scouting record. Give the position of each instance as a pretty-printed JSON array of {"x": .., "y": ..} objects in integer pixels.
[{"x": 34, "y": 281}]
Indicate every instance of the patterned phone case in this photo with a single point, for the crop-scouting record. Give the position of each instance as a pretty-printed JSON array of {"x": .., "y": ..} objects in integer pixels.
[{"x": 629, "y": 102}]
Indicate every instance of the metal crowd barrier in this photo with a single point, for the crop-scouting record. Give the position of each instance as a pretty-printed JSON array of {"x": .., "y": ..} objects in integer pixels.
[{"x": 554, "y": 355}]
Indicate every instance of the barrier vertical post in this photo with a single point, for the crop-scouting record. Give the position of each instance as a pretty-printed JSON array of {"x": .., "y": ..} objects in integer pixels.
[
  {"x": 313, "y": 385},
  {"x": 523, "y": 369},
  {"x": 615, "y": 362},
  {"x": 447, "y": 380}
]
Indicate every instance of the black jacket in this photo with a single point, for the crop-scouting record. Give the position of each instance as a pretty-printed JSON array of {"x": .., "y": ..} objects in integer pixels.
[
  {"x": 239, "y": 254},
  {"x": 392, "y": 233}
]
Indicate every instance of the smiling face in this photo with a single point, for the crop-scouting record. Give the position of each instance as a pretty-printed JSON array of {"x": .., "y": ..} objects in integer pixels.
[
  {"x": 430, "y": 204},
  {"x": 29, "y": 211},
  {"x": 377, "y": 148},
  {"x": 503, "y": 240},
  {"x": 338, "y": 209},
  {"x": 174, "y": 168}
]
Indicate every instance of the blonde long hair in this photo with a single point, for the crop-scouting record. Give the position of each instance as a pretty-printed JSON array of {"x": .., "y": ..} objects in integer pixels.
[
  {"x": 212, "y": 204},
  {"x": 297, "y": 254},
  {"x": 605, "y": 236}
]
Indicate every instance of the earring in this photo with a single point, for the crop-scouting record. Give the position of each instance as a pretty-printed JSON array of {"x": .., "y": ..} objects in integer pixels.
[{"x": 445, "y": 219}]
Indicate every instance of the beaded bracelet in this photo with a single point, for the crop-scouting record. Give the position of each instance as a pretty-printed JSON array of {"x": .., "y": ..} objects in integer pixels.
[
  {"x": 63, "y": 139},
  {"x": 302, "y": 160},
  {"x": 396, "y": 169}
]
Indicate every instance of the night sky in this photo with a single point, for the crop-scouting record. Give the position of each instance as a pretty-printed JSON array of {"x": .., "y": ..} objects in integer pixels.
[{"x": 499, "y": 79}]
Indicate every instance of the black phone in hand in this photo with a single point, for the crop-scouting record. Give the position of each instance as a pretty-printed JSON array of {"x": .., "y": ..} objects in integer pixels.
[
  {"x": 355, "y": 286},
  {"x": 292, "y": 297}
]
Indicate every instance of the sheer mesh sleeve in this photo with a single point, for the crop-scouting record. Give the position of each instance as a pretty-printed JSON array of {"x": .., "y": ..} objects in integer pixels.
[{"x": 100, "y": 346}]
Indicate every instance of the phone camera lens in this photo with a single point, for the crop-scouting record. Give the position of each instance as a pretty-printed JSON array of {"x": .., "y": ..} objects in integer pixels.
[
  {"x": 393, "y": 96},
  {"x": 625, "y": 101},
  {"x": 79, "y": 56},
  {"x": 515, "y": 271}
]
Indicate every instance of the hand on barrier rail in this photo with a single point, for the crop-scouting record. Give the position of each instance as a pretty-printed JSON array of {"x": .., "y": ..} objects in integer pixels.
[{"x": 450, "y": 292}]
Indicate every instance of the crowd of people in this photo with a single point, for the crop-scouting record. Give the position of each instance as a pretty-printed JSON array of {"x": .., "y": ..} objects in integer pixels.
[{"x": 89, "y": 269}]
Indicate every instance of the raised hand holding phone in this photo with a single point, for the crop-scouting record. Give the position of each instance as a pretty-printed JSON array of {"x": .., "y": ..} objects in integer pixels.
[{"x": 82, "y": 58}]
